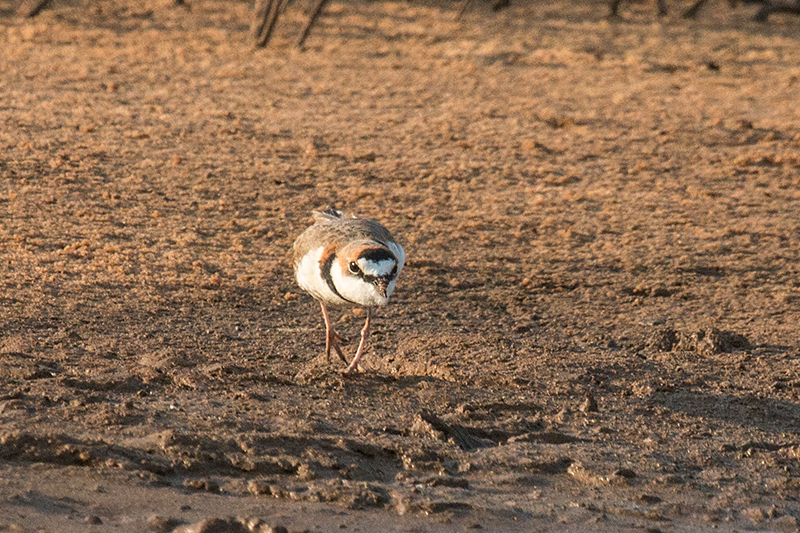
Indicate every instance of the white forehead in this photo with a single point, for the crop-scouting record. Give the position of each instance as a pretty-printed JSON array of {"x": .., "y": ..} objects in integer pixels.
[{"x": 377, "y": 268}]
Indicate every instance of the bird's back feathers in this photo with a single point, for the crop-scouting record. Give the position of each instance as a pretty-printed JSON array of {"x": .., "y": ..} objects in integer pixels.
[
  {"x": 331, "y": 227},
  {"x": 331, "y": 213}
]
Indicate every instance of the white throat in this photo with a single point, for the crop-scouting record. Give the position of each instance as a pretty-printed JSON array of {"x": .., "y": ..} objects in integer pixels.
[
  {"x": 377, "y": 268},
  {"x": 359, "y": 291}
]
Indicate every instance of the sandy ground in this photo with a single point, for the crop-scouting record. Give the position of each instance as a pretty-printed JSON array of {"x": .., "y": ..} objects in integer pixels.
[{"x": 598, "y": 327}]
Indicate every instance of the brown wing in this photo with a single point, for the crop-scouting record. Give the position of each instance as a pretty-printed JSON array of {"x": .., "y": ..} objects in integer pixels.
[
  {"x": 364, "y": 228},
  {"x": 328, "y": 229},
  {"x": 305, "y": 242}
]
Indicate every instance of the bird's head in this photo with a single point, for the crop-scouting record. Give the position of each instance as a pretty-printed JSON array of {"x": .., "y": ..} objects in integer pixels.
[{"x": 365, "y": 272}]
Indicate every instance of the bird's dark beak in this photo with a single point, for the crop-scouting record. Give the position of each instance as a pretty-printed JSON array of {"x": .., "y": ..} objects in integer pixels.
[{"x": 383, "y": 286}]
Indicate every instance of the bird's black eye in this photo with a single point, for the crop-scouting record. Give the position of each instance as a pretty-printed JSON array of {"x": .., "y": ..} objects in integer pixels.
[{"x": 354, "y": 267}]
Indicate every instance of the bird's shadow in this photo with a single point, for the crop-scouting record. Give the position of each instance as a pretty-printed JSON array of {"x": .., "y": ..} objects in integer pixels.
[{"x": 320, "y": 371}]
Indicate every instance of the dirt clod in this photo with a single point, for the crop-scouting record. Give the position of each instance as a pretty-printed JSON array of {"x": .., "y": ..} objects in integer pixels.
[
  {"x": 203, "y": 484},
  {"x": 214, "y": 525},
  {"x": 589, "y": 404},
  {"x": 162, "y": 524},
  {"x": 704, "y": 342}
]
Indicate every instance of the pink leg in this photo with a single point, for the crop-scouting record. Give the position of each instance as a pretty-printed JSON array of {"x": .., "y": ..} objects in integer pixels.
[
  {"x": 331, "y": 337},
  {"x": 361, "y": 345}
]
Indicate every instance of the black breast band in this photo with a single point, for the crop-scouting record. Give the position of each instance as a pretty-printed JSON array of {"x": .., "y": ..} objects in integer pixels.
[{"x": 325, "y": 270}]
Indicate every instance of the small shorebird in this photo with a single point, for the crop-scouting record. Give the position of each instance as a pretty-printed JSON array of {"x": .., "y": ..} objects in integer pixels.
[{"x": 347, "y": 262}]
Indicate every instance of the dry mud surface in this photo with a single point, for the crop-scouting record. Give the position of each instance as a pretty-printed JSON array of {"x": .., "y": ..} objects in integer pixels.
[{"x": 598, "y": 328}]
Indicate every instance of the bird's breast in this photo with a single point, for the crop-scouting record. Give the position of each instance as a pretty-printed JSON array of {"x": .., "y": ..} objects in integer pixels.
[{"x": 314, "y": 276}]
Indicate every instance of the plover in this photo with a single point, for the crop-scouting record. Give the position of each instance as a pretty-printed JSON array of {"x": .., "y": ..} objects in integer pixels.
[{"x": 347, "y": 262}]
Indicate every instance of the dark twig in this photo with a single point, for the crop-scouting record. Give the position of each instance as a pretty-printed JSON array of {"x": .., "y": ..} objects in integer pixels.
[
  {"x": 463, "y": 9},
  {"x": 662, "y": 7},
  {"x": 275, "y": 9},
  {"x": 695, "y": 9},
  {"x": 769, "y": 7},
  {"x": 266, "y": 14},
  {"x": 311, "y": 19},
  {"x": 259, "y": 22},
  {"x": 459, "y": 434},
  {"x": 31, "y": 8},
  {"x": 692, "y": 11},
  {"x": 499, "y": 5}
]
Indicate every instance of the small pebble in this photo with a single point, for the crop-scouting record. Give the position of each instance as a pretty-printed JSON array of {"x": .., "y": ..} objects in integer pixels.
[
  {"x": 589, "y": 405},
  {"x": 162, "y": 524},
  {"x": 627, "y": 473},
  {"x": 202, "y": 484},
  {"x": 272, "y": 529},
  {"x": 649, "y": 499},
  {"x": 465, "y": 408},
  {"x": 214, "y": 525},
  {"x": 564, "y": 415}
]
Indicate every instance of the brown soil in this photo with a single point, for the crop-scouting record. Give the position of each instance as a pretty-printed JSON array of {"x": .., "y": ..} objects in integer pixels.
[{"x": 599, "y": 323}]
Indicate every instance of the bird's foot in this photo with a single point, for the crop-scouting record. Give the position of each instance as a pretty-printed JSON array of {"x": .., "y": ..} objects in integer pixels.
[
  {"x": 353, "y": 370},
  {"x": 332, "y": 341}
]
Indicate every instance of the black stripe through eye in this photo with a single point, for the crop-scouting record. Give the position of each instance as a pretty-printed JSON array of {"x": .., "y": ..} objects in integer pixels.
[{"x": 377, "y": 255}]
